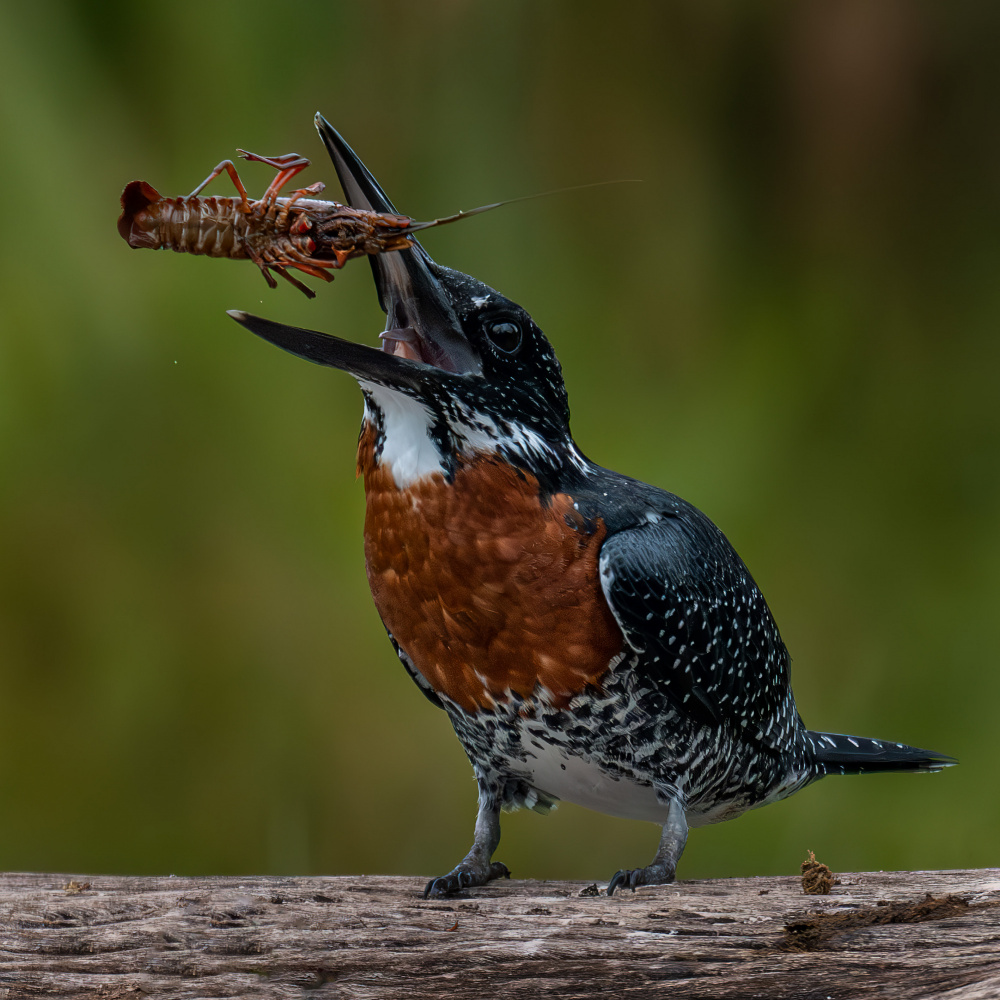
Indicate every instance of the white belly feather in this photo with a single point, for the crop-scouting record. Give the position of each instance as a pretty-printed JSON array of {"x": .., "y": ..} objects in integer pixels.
[{"x": 575, "y": 780}]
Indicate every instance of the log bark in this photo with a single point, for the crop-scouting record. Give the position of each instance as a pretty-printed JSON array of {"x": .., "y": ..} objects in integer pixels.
[{"x": 354, "y": 938}]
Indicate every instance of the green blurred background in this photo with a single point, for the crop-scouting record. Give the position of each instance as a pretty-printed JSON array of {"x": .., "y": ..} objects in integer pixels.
[{"x": 792, "y": 322}]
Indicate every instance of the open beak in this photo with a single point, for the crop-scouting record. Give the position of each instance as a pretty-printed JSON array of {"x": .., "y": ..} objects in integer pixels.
[
  {"x": 422, "y": 329},
  {"x": 421, "y": 322}
]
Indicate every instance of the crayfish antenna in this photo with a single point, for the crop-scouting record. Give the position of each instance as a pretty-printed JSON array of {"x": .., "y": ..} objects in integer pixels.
[{"x": 414, "y": 226}]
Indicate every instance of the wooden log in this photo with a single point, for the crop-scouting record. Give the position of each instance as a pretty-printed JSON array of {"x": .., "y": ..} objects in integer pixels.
[{"x": 355, "y": 938}]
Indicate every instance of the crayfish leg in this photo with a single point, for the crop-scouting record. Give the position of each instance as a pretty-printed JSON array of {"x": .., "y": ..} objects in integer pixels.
[
  {"x": 287, "y": 165},
  {"x": 305, "y": 289},
  {"x": 230, "y": 169},
  {"x": 314, "y": 270},
  {"x": 303, "y": 223},
  {"x": 278, "y": 162},
  {"x": 271, "y": 283}
]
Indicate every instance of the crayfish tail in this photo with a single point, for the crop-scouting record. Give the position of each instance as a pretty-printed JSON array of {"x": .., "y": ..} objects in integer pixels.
[{"x": 135, "y": 226}]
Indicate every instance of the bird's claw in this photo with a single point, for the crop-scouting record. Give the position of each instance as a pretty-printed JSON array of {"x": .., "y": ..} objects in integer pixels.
[
  {"x": 629, "y": 878},
  {"x": 464, "y": 878},
  {"x": 625, "y": 878}
]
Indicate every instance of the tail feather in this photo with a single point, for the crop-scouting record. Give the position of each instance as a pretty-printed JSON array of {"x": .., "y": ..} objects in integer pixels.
[{"x": 838, "y": 754}]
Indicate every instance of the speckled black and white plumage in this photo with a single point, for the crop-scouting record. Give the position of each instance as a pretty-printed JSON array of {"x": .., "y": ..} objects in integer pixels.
[
  {"x": 693, "y": 721},
  {"x": 699, "y": 708}
]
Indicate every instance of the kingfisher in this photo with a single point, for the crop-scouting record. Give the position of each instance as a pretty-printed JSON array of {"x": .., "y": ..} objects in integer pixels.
[{"x": 590, "y": 637}]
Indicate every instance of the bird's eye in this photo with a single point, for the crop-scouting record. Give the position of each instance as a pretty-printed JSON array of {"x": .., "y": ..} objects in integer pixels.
[{"x": 505, "y": 336}]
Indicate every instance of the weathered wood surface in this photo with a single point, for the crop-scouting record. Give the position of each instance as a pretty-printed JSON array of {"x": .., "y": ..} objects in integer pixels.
[{"x": 371, "y": 937}]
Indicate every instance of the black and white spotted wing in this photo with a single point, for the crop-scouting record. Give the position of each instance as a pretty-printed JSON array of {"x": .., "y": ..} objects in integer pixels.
[{"x": 702, "y": 631}]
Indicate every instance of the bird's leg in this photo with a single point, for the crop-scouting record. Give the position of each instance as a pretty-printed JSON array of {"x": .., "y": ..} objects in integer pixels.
[
  {"x": 664, "y": 866},
  {"x": 475, "y": 868}
]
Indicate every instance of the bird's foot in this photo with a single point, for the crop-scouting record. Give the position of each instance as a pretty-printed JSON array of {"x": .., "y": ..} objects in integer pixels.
[
  {"x": 629, "y": 878},
  {"x": 465, "y": 876}
]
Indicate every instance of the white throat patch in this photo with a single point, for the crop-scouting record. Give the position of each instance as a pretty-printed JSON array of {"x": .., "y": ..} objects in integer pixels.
[
  {"x": 411, "y": 453},
  {"x": 408, "y": 451}
]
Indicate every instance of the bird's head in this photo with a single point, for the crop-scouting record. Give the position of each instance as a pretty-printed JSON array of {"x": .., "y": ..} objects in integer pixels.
[{"x": 456, "y": 355}]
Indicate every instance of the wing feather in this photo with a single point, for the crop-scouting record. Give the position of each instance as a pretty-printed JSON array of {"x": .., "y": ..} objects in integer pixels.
[{"x": 703, "y": 634}]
